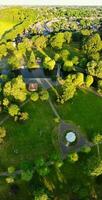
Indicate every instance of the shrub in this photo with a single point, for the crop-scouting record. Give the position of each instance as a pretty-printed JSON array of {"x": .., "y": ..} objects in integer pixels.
[
  {"x": 26, "y": 175},
  {"x": 2, "y": 134},
  {"x": 24, "y": 116},
  {"x": 86, "y": 149},
  {"x": 11, "y": 170},
  {"x": 10, "y": 180},
  {"x": 5, "y": 102},
  {"x": 73, "y": 157},
  {"x": 13, "y": 110},
  {"x": 44, "y": 95},
  {"x": 34, "y": 96}
]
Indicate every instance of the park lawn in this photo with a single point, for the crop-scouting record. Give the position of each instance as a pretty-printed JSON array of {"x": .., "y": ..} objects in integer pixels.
[
  {"x": 2, "y": 116},
  {"x": 31, "y": 145},
  {"x": 85, "y": 110},
  {"x": 31, "y": 139},
  {"x": 5, "y": 26},
  {"x": 23, "y": 192}
]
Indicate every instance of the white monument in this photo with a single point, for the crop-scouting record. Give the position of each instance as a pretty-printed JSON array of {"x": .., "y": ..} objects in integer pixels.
[{"x": 70, "y": 137}]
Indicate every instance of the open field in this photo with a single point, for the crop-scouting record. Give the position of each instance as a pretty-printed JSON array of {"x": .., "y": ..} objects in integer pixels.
[
  {"x": 85, "y": 110},
  {"x": 5, "y": 26},
  {"x": 30, "y": 139}
]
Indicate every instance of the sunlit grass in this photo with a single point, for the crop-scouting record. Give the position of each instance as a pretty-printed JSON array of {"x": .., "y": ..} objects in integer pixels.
[{"x": 5, "y": 26}]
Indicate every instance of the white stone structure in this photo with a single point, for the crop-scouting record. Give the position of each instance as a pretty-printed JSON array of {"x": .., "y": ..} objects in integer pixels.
[{"x": 70, "y": 137}]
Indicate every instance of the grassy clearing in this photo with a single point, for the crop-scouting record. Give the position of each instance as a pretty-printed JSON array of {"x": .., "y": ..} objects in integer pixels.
[
  {"x": 5, "y": 26},
  {"x": 23, "y": 192},
  {"x": 85, "y": 110},
  {"x": 30, "y": 139},
  {"x": 34, "y": 138}
]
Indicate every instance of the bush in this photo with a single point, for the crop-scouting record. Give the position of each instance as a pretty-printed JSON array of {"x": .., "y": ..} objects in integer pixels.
[
  {"x": 34, "y": 96},
  {"x": 26, "y": 175},
  {"x": 2, "y": 134},
  {"x": 57, "y": 119},
  {"x": 13, "y": 110},
  {"x": 44, "y": 95},
  {"x": 97, "y": 139},
  {"x": 11, "y": 170},
  {"x": 89, "y": 80},
  {"x": 73, "y": 157},
  {"x": 86, "y": 149},
  {"x": 5, "y": 102},
  {"x": 24, "y": 116},
  {"x": 10, "y": 180}
]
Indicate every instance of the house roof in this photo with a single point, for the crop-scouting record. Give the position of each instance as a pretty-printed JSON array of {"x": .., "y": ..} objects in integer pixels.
[
  {"x": 70, "y": 137},
  {"x": 32, "y": 86}
]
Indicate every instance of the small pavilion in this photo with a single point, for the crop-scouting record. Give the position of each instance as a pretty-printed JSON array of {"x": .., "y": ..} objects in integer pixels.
[{"x": 70, "y": 137}]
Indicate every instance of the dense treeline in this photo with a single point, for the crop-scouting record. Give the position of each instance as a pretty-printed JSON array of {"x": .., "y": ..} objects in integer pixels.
[{"x": 67, "y": 18}]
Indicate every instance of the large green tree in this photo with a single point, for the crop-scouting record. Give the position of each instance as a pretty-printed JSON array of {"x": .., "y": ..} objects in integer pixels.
[
  {"x": 93, "y": 44},
  {"x": 15, "y": 88},
  {"x": 57, "y": 40}
]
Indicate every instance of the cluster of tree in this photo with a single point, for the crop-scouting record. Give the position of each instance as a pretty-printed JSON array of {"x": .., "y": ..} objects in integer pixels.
[
  {"x": 93, "y": 45},
  {"x": 58, "y": 39},
  {"x": 81, "y": 186},
  {"x": 2, "y": 134},
  {"x": 100, "y": 87},
  {"x": 43, "y": 95},
  {"x": 16, "y": 88},
  {"x": 14, "y": 92},
  {"x": 94, "y": 68},
  {"x": 71, "y": 83}
]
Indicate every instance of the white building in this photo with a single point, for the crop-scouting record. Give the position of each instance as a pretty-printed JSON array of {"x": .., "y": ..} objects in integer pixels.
[{"x": 70, "y": 137}]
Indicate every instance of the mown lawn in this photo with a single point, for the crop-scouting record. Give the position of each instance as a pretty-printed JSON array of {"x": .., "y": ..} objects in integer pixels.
[
  {"x": 5, "y": 26},
  {"x": 34, "y": 138},
  {"x": 28, "y": 140},
  {"x": 23, "y": 193},
  {"x": 85, "y": 110}
]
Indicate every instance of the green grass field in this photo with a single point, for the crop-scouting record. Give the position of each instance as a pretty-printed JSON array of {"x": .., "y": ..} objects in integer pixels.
[
  {"x": 33, "y": 138},
  {"x": 5, "y": 26},
  {"x": 30, "y": 139},
  {"x": 85, "y": 110}
]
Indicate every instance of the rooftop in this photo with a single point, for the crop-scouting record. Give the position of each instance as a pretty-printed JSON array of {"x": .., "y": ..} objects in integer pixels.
[{"x": 70, "y": 137}]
